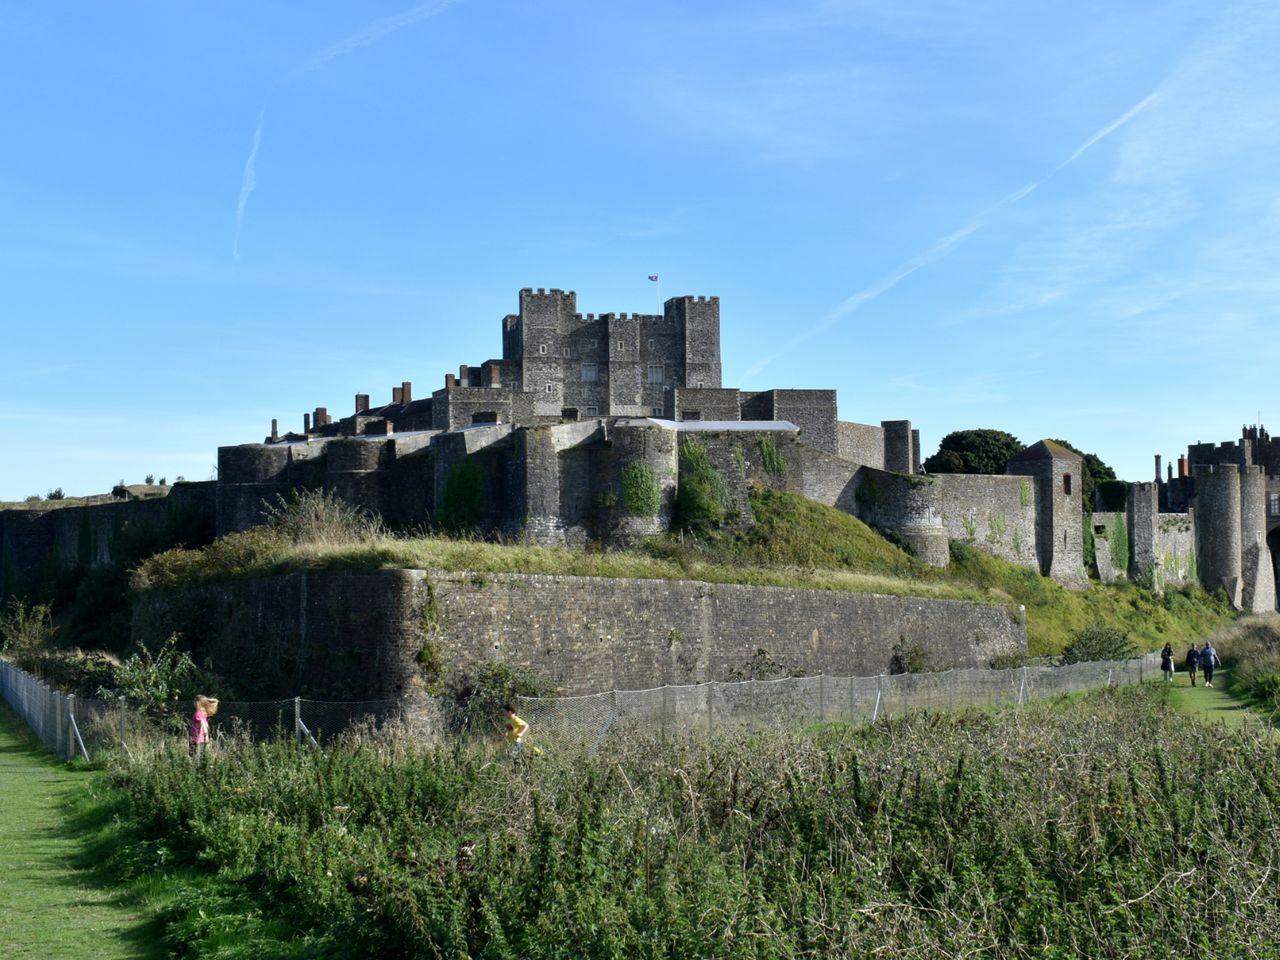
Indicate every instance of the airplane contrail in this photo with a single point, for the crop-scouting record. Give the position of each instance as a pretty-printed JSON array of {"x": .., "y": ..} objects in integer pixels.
[
  {"x": 941, "y": 247},
  {"x": 248, "y": 180},
  {"x": 375, "y": 31}
]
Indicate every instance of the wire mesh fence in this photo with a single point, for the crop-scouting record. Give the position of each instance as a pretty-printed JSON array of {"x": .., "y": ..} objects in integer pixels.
[{"x": 81, "y": 727}]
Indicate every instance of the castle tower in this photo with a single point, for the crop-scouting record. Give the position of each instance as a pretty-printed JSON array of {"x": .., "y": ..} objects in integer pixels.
[
  {"x": 697, "y": 321},
  {"x": 1218, "y": 530},
  {"x": 1258, "y": 593},
  {"x": 1142, "y": 510},
  {"x": 537, "y": 337},
  {"x": 1056, "y": 472}
]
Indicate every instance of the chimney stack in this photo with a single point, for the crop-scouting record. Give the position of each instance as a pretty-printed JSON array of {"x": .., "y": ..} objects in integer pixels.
[
  {"x": 321, "y": 418},
  {"x": 396, "y": 393},
  {"x": 362, "y": 402},
  {"x": 306, "y": 423},
  {"x": 275, "y": 429},
  {"x": 1182, "y": 467},
  {"x": 406, "y": 393},
  {"x": 1158, "y": 459},
  {"x": 450, "y": 381}
]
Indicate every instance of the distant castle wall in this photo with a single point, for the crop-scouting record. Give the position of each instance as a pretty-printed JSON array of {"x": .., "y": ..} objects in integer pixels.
[
  {"x": 47, "y": 541},
  {"x": 358, "y": 635}
]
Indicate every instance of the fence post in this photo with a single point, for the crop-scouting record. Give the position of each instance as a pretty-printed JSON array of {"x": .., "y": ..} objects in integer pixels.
[
  {"x": 666, "y": 704},
  {"x": 711, "y": 726},
  {"x": 71, "y": 712},
  {"x": 122, "y": 724},
  {"x": 876, "y": 710},
  {"x": 822, "y": 697},
  {"x": 297, "y": 719},
  {"x": 1022, "y": 689}
]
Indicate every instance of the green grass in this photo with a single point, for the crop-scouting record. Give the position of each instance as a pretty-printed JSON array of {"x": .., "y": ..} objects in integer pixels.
[{"x": 52, "y": 904}]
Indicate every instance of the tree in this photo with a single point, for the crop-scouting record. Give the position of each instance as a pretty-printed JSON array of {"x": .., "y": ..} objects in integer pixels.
[
  {"x": 974, "y": 451},
  {"x": 1095, "y": 472}
]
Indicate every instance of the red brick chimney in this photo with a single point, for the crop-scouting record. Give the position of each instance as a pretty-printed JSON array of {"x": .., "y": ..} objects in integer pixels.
[
  {"x": 406, "y": 393},
  {"x": 275, "y": 429},
  {"x": 362, "y": 402},
  {"x": 396, "y": 393}
]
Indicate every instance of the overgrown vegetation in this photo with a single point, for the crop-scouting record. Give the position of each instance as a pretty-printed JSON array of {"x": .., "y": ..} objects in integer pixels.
[
  {"x": 1098, "y": 641},
  {"x": 1251, "y": 652},
  {"x": 641, "y": 492},
  {"x": 702, "y": 496},
  {"x": 1062, "y": 829}
]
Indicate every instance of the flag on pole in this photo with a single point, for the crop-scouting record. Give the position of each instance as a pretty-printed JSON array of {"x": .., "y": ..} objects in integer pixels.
[{"x": 653, "y": 277}]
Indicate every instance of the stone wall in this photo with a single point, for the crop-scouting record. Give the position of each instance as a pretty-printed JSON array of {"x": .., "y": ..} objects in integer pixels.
[
  {"x": 44, "y": 541},
  {"x": 995, "y": 514},
  {"x": 361, "y": 635},
  {"x": 860, "y": 443}
]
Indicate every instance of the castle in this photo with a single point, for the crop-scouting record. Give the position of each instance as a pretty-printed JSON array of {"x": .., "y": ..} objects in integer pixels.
[{"x": 574, "y": 436}]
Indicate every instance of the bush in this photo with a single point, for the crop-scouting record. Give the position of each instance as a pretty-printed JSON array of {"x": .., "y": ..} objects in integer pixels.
[
  {"x": 702, "y": 497},
  {"x": 25, "y": 629},
  {"x": 476, "y": 698},
  {"x": 319, "y": 517},
  {"x": 1099, "y": 642}
]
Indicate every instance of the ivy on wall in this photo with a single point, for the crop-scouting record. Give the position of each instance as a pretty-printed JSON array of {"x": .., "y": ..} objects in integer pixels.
[
  {"x": 640, "y": 490},
  {"x": 1118, "y": 538},
  {"x": 702, "y": 496},
  {"x": 460, "y": 499},
  {"x": 774, "y": 464}
]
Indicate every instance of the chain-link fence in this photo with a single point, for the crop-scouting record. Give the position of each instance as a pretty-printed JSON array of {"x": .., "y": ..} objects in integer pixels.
[
  {"x": 80, "y": 727},
  {"x": 587, "y": 721}
]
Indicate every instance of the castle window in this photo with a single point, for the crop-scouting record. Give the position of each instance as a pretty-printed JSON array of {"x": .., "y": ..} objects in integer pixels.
[
  {"x": 655, "y": 373},
  {"x": 1273, "y": 506},
  {"x": 542, "y": 349},
  {"x": 551, "y": 388},
  {"x": 590, "y": 373},
  {"x": 515, "y": 386},
  {"x": 591, "y": 412},
  {"x": 1066, "y": 484},
  {"x": 655, "y": 411},
  {"x": 651, "y": 343}
]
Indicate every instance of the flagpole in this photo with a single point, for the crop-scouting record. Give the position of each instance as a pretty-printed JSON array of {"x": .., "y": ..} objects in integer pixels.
[{"x": 657, "y": 294}]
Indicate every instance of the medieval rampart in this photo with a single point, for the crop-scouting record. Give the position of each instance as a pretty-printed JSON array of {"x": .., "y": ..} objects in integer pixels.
[{"x": 365, "y": 634}]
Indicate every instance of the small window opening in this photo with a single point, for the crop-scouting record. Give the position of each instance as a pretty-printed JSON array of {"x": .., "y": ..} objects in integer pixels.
[{"x": 1066, "y": 484}]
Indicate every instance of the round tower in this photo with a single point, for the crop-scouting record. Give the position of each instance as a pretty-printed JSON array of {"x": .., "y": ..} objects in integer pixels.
[
  {"x": 642, "y": 481},
  {"x": 1258, "y": 593},
  {"x": 1218, "y": 531}
]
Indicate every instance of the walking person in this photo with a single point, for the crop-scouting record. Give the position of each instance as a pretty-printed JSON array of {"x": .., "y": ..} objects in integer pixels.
[
  {"x": 1208, "y": 660},
  {"x": 198, "y": 738},
  {"x": 1166, "y": 662},
  {"x": 1193, "y": 663}
]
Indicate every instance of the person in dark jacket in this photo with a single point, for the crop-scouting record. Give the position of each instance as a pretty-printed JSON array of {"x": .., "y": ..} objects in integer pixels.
[
  {"x": 1166, "y": 661},
  {"x": 1193, "y": 663},
  {"x": 1208, "y": 660}
]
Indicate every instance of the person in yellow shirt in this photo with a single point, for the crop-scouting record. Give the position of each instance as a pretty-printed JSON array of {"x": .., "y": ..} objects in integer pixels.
[{"x": 516, "y": 729}]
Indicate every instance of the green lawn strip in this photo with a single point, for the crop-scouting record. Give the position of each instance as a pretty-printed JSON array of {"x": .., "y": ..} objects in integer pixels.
[
  {"x": 52, "y": 905},
  {"x": 1219, "y": 703}
]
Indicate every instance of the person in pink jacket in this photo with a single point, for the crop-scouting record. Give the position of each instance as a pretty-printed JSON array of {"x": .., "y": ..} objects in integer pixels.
[{"x": 206, "y": 707}]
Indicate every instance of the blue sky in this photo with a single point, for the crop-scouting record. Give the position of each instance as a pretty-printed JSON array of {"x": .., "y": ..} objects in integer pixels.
[{"x": 1057, "y": 219}]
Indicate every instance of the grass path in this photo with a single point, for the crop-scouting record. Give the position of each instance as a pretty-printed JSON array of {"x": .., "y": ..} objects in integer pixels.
[
  {"x": 1217, "y": 703},
  {"x": 49, "y": 908}
]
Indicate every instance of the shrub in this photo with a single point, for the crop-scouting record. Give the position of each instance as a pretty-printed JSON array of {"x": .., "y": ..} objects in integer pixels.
[
  {"x": 55, "y": 494},
  {"x": 476, "y": 697},
  {"x": 1098, "y": 641},
  {"x": 25, "y": 629},
  {"x": 319, "y": 517}
]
